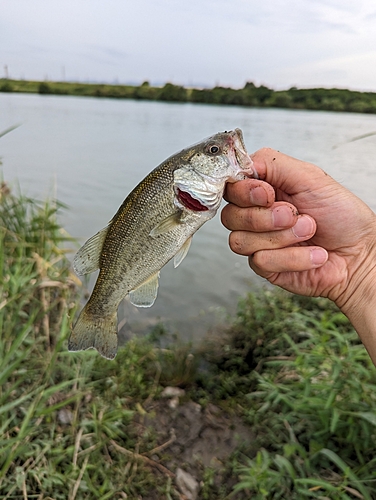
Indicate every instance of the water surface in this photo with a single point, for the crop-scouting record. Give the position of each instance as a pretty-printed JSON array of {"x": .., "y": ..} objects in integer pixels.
[{"x": 90, "y": 153}]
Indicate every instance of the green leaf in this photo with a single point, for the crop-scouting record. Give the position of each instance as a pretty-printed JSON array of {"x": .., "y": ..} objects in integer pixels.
[
  {"x": 284, "y": 465},
  {"x": 367, "y": 415},
  {"x": 334, "y": 420},
  {"x": 333, "y": 457},
  {"x": 317, "y": 482}
]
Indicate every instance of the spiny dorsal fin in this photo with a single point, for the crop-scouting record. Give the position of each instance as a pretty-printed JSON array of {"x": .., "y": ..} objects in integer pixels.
[
  {"x": 87, "y": 258},
  {"x": 146, "y": 293}
]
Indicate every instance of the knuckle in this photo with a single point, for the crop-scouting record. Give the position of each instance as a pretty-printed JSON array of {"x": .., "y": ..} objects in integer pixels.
[
  {"x": 259, "y": 259},
  {"x": 256, "y": 219},
  {"x": 236, "y": 242},
  {"x": 228, "y": 217},
  {"x": 259, "y": 264},
  {"x": 265, "y": 151},
  {"x": 224, "y": 216}
]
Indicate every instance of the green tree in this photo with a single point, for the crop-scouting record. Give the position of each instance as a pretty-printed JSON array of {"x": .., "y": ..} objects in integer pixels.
[
  {"x": 280, "y": 100},
  {"x": 6, "y": 86},
  {"x": 171, "y": 92},
  {"x": 144, "y": 91},
  {"x": 358, "y": 106},
  {"x": 333, "y": 104},
  {"x": 44, "y": 88},
  {"x": 202, "y": 95}
]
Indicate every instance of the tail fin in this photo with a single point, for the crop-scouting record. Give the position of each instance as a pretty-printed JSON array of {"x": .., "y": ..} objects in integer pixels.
[{"x": 99, "y": 333}]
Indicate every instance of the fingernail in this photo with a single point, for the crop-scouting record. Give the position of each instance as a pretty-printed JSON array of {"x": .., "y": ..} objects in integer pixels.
[
  {"x": 258, "y": 196},
  {"x": 282, "y": 217},
  {"x": 303, "y": 227},
  {"x": 318, "y": 256}
]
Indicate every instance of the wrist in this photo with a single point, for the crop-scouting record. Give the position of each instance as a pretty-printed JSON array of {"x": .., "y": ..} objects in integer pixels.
[
  {"x": 358, "y": 303},
  {"x": 358, "y": 269},
  {"x": 361, "y": 290}
]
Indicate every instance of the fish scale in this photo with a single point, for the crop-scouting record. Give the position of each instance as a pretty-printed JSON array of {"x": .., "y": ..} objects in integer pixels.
[{"x": 154, "y": 224}]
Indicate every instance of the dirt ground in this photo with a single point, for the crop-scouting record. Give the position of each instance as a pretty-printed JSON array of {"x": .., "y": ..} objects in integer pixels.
[{"x": 191, "y": 438}]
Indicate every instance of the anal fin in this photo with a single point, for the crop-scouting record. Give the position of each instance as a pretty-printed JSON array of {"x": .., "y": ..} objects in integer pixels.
[{"x": 146, "y": 293}]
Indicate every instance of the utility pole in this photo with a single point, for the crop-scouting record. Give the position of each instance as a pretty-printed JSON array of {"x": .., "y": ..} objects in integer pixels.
[{"x": 6, "y": 74}]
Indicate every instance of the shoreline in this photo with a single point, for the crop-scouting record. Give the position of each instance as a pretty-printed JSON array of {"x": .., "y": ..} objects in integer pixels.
[{"x": 319, "y": 99}]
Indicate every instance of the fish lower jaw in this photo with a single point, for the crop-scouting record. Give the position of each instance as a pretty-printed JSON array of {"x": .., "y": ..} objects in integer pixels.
[
  {"x": 240, "y": 176},
  {"x": 241, "y": 165}
]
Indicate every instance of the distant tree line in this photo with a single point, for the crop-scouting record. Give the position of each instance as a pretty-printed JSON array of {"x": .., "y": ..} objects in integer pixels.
[{"x": 250, "y": 95}]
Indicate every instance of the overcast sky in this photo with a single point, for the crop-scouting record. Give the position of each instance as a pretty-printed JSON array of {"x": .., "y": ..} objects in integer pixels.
[{"x": 280, "y": 43}]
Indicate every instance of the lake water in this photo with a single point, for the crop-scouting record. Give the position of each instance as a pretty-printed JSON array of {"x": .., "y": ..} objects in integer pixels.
[{"x": 90, "y": 153}]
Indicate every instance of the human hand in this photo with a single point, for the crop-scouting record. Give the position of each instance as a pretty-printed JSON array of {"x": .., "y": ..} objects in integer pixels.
[{"x": 328, "y": 250}]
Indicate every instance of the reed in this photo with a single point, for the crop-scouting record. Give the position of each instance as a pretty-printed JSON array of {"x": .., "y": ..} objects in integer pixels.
[{"x": 59, "y": 413}]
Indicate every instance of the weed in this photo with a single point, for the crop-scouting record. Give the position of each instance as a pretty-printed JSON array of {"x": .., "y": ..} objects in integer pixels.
[
  {"x": 312, "y": 401},
  {"x": 60, "y": 413}
]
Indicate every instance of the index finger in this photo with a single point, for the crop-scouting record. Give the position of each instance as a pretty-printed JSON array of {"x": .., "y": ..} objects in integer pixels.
[
  {"x": 249, "y": 192},
  {"x": 284, "y": 172}
]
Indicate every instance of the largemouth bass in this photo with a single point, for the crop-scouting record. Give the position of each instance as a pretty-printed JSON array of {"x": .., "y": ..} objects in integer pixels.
[{"x": 154, "y": 224}]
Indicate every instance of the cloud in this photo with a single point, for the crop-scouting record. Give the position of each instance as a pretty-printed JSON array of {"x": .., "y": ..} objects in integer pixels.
[
  {"x": 371, "y": 16},
  {"x": 351, "y": 71},
  {"x": 104, "y": 55},
  {"x": 206, "y": 41}
]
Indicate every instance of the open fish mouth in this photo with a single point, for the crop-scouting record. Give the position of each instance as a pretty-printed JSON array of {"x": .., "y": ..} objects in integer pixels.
[
  {"x": 240, "y": 159},
  {"x": 246, "y": 164},
  {"x": 200, "y": 192}
]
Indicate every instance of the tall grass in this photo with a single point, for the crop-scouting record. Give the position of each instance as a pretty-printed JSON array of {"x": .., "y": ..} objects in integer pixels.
[{"x": 64, "y": 419}]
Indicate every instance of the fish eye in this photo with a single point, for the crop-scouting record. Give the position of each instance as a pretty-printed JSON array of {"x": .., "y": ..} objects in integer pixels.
[{"x": 213, "y": 149}]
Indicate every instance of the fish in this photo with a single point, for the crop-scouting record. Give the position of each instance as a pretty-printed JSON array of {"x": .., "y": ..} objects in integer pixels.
[{"x": 154, "y": 224}]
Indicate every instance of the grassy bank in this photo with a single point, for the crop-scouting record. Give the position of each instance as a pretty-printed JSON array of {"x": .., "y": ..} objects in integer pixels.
[
  {"x": 290, "y": 376},
  {"x": 250, "y": 95}
]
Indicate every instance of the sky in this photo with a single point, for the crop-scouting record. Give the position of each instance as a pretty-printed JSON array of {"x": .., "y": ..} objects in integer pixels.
[{"x": 202, "y": 43}]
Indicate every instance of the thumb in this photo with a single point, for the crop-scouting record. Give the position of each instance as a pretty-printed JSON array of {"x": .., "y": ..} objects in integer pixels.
[{"x": 285, "y": 172}]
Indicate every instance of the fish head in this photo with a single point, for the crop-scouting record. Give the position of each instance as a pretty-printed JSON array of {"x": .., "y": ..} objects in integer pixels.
[
  {"x": 223, "y": 156},
  {"x": 199, "y": 184}
]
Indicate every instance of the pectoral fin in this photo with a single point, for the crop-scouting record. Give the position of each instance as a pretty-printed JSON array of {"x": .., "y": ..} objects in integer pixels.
[
  {"x": 166, "y": 225},
  {"x": 145, "y": 294},
  {"x": 179, "y": 257},
  {"x": 87, "y": 258}
]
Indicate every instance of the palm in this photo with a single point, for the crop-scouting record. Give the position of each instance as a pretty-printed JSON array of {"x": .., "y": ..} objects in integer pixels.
[{"x": 338, "y": 231}]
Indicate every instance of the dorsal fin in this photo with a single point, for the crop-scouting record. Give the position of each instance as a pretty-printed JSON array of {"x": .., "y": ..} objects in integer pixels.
[{"x": 87, "y": 258}]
